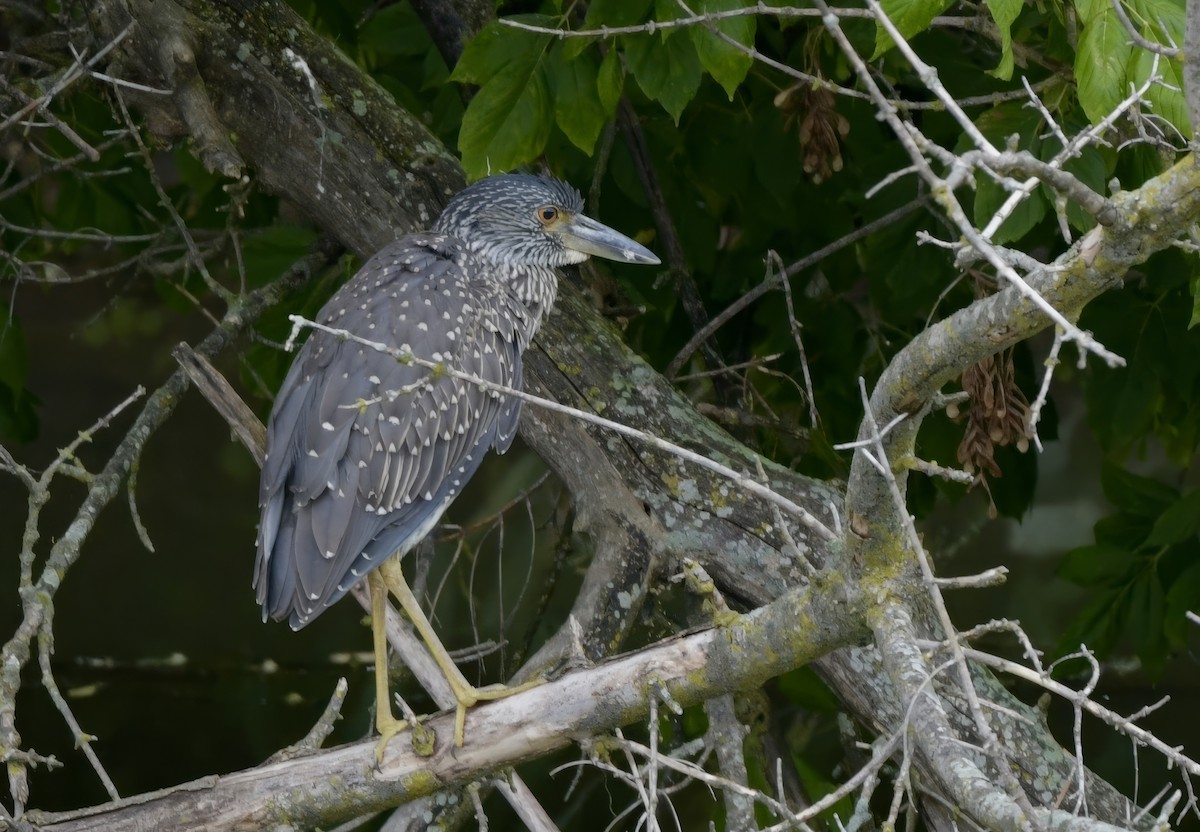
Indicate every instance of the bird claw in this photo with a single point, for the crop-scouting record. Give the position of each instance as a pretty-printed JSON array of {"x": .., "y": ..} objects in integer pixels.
[
  {"x": 467, "y": 696},
  {"x": 388, "y": 728}
]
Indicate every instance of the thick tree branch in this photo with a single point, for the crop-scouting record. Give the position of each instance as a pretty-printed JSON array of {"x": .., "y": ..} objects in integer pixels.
[
  {"x": 1147, "y": 220},
  {"x": 342, "y": 783},
  {"x": 38, "y": 597},
  {"x": 379, "y": 185}
]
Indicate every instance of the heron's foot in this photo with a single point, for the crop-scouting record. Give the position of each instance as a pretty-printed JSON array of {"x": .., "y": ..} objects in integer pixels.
[
  {"x": 423, "y": 737},
  {"x": 387, "y": 726},
  {"x": 468, "y": 695}
]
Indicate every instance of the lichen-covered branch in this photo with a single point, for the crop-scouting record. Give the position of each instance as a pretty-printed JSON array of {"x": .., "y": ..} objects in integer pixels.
[
  {"x": 642, "y": 505},
  {"x": 332, "y": 786}
]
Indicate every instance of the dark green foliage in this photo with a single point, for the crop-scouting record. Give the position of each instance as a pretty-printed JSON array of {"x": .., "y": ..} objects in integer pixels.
[
  {"x": 748, "y": 161},
  {"x": 18, "y": 419},
  {"x": 1142, "y": 570}
]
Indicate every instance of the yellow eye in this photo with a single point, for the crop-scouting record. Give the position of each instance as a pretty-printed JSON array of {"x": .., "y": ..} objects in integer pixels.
[{"x": 547, "y": 214}]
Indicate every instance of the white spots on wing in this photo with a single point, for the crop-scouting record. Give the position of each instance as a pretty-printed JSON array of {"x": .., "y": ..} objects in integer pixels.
[{"x": 472, "y": 325}]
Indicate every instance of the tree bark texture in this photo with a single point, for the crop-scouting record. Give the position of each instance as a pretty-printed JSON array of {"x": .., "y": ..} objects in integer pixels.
[{"x": 261, "y": 95}]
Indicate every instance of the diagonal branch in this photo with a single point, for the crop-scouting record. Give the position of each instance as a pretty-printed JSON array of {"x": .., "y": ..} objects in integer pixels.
[{"x": 331, "y": 786}]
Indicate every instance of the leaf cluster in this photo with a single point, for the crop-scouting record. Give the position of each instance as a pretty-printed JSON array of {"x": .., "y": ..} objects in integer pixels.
[{"x": 1143, "y": 570}]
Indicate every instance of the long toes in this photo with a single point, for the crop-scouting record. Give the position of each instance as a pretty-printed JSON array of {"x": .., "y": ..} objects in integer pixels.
[
  {"x": 460, "y": 725},
  {"x": 501, "y": 691},
  {"x": 386, "y": 733}
]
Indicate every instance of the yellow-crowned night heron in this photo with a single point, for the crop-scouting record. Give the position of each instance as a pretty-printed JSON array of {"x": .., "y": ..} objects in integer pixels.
[{"x": 365, "y": 452}]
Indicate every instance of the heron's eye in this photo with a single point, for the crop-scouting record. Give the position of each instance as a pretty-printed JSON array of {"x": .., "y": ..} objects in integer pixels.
[{"x": 547, "y": 214}]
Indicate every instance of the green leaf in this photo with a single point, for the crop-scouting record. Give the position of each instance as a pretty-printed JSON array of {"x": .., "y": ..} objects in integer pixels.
[
  {"x": 395, "y": 30},
  {"x": 990, "y": 195},
  {"x": 1098, "y": 625},
  {"x": 615, "y": 13},
  {"x": 1161, "y": 21},
  {"x": 14, "y": 358},
  {"x": 1180, "y": 521},
  {"x": 998, "y": 124},
  {"x": 1140, "y": 400},
  {"x": 497, "y": 46},
  {"x": 910, "y": 17},
  {"x": 668, "y": 73},
  {"x": 273, "y": 249},
  {"x": 1101, "y": 62},
  {"x": 668, "y": 10},
  {"x": 1004, "y": 12},
  {"x": 608, "y": 13},
  {"x": 1147, "y": 606},
  {"x": 507, "y": 122},
  {"x": 1132, "y": 493},
  {"x": 1183, "y": 597},
  {"x": 509, "y": 119},
  {"x": 1089, "y": 168},
  {"x": 723, "y": 61},
  {"x": 1123, "y": 530},
  {"x": 577, "y": 107},
  {"x": 1097, "y": 565},
  {"x": 1086, "y": 10},
  {"x": 1165, "y": 98},
  {"x": 609, "y": 82}
]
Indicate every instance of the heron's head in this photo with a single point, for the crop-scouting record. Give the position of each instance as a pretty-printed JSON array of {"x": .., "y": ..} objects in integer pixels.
[{"x": 518, "y": 219}]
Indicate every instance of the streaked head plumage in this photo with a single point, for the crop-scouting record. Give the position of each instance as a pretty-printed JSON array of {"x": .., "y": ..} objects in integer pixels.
[{"x": 524, "y": 220}]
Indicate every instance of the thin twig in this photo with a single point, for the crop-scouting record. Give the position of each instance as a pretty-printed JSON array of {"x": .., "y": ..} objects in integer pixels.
[{"x": 768, "y": 283}]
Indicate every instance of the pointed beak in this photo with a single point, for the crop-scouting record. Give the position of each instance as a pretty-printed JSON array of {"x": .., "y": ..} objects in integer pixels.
[{"x": 585, "y": 235}]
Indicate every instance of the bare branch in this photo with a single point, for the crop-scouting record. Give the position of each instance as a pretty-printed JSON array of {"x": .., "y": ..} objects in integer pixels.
[{"x": 340, "y": 783}]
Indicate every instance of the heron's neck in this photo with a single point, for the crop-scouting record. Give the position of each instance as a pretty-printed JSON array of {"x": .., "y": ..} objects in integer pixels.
[{"x": 533, "y": 285}]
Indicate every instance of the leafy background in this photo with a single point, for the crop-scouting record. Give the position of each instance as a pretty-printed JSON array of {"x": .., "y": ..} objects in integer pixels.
[{"x": 1100, "y": 531}]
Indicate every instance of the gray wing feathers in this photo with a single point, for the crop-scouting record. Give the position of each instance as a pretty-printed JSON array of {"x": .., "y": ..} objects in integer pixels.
[{"x": 366, "y": 451}]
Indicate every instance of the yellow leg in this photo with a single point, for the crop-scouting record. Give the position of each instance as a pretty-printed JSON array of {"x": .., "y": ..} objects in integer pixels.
[
  {"x": 385, "y": 723},
  {"x": 465, "y": 694}
]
